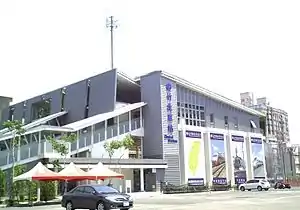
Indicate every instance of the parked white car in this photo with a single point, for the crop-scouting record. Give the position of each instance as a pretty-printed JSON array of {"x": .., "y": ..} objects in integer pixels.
[{"x": 255, "y": 184}]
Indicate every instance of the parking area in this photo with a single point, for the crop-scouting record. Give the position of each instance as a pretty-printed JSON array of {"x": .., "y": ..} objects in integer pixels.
[{"x": 270, "y": 200}]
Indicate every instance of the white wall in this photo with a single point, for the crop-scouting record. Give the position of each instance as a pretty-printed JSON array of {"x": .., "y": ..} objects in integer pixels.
[{"x": 98, "y": 151}]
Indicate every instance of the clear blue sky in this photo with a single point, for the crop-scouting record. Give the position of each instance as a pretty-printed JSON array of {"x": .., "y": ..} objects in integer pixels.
[{"x": 226, "y": 46}]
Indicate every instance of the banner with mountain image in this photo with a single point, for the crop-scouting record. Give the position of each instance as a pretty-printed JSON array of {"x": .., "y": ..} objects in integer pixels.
[
  {"x": 218, "y": 158},
  {"x": 194, "y": 158},
  {"x": 238, "y": 149},
  {"x": 258, "y": 157}
]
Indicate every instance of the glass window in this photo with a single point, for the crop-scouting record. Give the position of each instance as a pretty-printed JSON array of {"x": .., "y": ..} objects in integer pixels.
[
  {"x": 105, "y": 189},
  {"x": 197, "y": 115},
  {"x": 198, "y": 123},
  {"x": 226, "y": 120},
  {"x": 88, "y": 190},
  {"x": 194, "y": 122},
  {"x": 202, "y": 108},
  {"x": 186, "y": 121},
  {"x": 202, "y": 116},
  {"x": 202, "y": 123},
  {"x": 78, "y": 190},
  {"x": 211, "y": 118},
  {"x": 235, "y": 121}
]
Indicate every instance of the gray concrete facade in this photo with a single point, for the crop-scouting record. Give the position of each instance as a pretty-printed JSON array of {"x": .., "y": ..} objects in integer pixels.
[
  {"x": 154, "y": 93},
  {"x": 100, "y": 98}
]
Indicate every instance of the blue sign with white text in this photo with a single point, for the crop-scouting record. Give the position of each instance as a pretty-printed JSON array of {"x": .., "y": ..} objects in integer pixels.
[
  {"x": 219, "y": 181},
  {"x": 169, "y": 137},
  {"x": 237, "y": 138},
  {"x": 216, "y": 136},
  {"x": 193, "y": 134},
  {"x": 256, "y": 140},
  {"x": 196, "y": 182}
]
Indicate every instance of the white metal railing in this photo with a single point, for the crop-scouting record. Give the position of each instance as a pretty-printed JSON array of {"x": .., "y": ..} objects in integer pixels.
[{"x": 35, "y": 149}]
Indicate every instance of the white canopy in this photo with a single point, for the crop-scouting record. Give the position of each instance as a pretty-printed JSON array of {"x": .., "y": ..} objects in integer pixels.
[
  {"x": 102, "y": 172},
  {"x": 72, "y": 172},
  {"x": 38, "y": 172}
]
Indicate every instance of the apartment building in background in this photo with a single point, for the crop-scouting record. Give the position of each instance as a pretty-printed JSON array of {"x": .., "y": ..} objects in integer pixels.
[
  {"x": 4, "y": 103},
  {"x": 279, "y": 159}
]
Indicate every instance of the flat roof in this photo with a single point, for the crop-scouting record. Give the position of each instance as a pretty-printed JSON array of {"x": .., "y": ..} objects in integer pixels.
[
  {"x": 113, "y": 161},
  {"x": 211, "y": 94}
]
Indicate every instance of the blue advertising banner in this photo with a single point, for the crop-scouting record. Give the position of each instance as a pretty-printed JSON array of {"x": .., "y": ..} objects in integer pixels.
[
  {"x": 258, "y": 157},
  {"x": 239, "y": 158},
  {"x": 169, "y": 137},
  {"x": 218, "y": 158},
  {"x": 193, "y": 134},
  {"x": 196, "y": 182}
]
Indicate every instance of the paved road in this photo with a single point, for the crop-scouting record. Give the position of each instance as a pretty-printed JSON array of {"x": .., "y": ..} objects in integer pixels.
[{"x": 271, "y": 200}]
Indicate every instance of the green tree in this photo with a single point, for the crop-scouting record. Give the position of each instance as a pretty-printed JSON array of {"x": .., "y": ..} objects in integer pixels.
[
  {"x": 19, "y": 187},
  {"x": 61, "y": 146},
  {"x": 16, "y": 129},
  {"x": 2, "y": 183},
  {"x": 112, "y": 146},
  {"x": 48, "y": 190}
]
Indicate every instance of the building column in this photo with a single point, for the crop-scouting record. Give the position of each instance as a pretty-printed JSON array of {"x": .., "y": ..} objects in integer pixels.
[
  {"x": 141, "y": 117},
  {"x": 118, "y": 125},
  {"x": 39, "y": 143},
  {"x": 142, "y": 180},
  {"x": 105, "y": 129},
  {"x": 129, "y": 121}
]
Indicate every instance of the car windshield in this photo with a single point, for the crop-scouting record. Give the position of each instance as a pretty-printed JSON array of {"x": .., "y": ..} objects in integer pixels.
[{"x": 105, "y": 189}]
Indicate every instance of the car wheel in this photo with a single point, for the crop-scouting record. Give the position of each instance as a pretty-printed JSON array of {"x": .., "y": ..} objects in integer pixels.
[
  {"x": 259, "y": 188},
  {"x": 69, "y": 206},
  {"x": 242, "y": 189},
  {"x": 100, "y": 206}
]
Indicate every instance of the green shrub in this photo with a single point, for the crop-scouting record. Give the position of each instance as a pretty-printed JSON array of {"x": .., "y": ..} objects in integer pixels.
[
  {"x": 48, "y": 190},
  {"x": 2, "y": 183}
]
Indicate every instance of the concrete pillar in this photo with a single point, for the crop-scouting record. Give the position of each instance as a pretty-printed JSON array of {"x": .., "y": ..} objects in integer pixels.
[
  {"x": 38, "y": 194},
  {"x": 129, "y": 121},
  {"x": 249, "y": 159},
  {"x": 142, "y": 179}
]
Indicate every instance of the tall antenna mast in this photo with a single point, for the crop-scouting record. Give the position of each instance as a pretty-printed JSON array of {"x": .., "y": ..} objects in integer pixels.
[{"x": 111, "y": 24}]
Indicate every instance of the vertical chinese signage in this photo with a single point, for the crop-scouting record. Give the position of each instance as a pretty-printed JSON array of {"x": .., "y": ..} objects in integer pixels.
[
  {"x": 194, "y": 158},
  {"x": 258, "y": 157},
  {"x": 218, "y": 159},
  {"x": 169, "y": 136},
  {"x": 239, "y": 159}
]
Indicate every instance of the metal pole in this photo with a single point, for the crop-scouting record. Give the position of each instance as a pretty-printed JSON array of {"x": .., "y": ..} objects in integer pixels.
[
  {"x": 112, "y": 42},
  {"x": 111, "y": 24}
]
